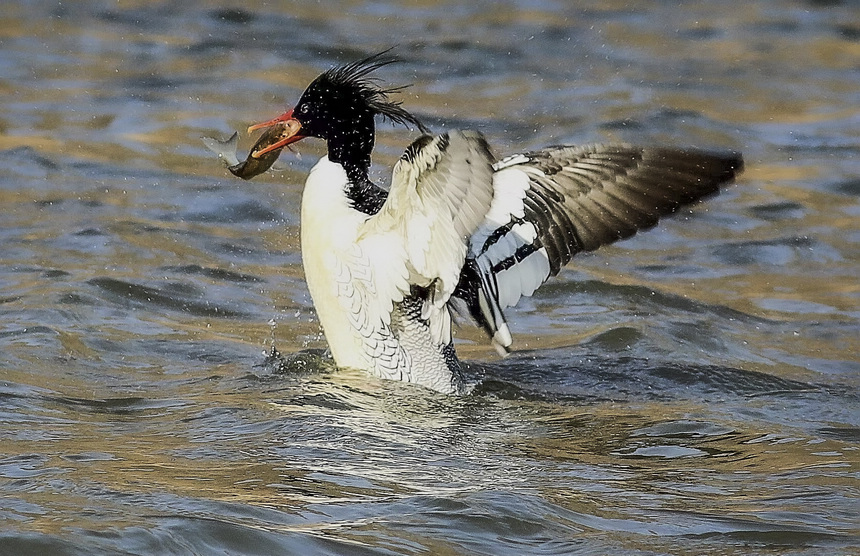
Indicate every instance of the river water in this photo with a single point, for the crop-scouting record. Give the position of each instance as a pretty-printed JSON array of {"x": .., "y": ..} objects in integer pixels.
[{"x": 693, "y": 390}]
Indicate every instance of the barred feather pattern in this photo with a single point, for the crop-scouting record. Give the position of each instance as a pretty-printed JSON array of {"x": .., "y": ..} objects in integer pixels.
[{"x": 551, "y": 204}]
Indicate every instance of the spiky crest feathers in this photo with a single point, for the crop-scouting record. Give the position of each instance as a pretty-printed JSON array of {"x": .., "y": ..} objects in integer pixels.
[{"x": 356, "y": 75}]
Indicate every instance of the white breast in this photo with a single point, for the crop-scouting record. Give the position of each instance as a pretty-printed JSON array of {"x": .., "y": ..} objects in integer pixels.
[{"x": 329, "y": 230}]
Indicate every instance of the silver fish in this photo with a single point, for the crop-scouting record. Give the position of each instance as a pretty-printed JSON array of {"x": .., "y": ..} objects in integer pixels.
[{"x": 252, "y": 166}]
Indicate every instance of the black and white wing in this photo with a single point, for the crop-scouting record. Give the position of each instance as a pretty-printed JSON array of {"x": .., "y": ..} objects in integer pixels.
[
  {"x": 441, "y": 190},
  {"x": 554, "y": 203}
]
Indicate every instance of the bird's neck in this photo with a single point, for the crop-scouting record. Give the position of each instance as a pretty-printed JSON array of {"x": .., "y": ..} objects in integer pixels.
[
  {"x": 351, "y": 143},
  {"x": 351, "y": 149}
]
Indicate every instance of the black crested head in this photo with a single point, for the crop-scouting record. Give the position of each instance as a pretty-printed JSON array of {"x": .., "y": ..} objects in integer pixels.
[
  {"x": 346, "y": 99},
  {"x": 355, "y": 76},
  {"x": 340, "y": 106}
]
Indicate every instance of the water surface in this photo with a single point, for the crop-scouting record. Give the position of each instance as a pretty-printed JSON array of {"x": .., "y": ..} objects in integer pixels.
[{"x": 692, "y": 390}]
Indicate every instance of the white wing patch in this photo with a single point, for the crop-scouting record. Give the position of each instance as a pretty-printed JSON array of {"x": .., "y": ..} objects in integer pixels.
[
  {"x": 441, "y": 190},
  {"x": 510, "y": 188},
  {"x": 506, "y": 244}
]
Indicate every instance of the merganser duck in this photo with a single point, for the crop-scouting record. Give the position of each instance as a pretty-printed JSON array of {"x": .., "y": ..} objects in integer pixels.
[{"x": 458, "y": 229}]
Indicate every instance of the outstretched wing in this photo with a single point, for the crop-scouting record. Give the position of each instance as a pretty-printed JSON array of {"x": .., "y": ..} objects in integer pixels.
[
  {"x": 441, "y": 190},
  {"x": 551, "y": 204}
]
